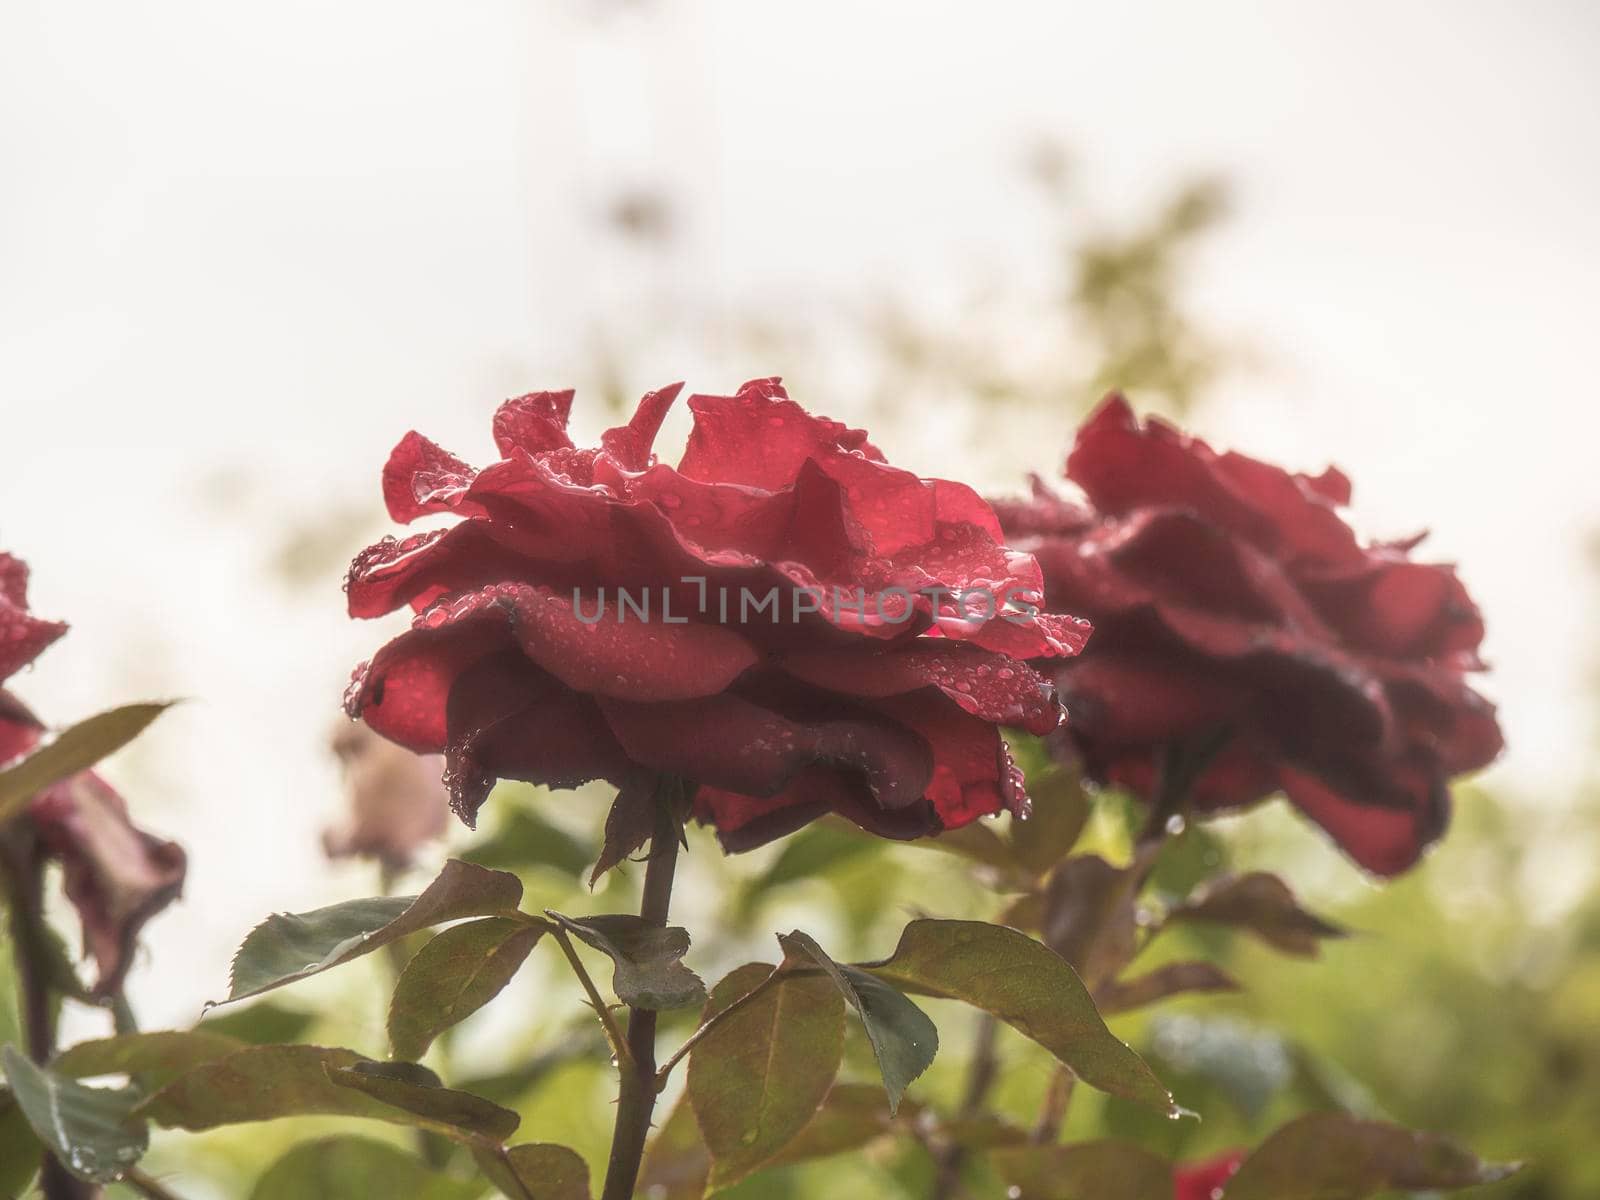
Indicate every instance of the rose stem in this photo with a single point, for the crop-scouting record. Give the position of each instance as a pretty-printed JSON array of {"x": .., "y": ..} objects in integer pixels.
[
  {"x": 981, "y": 1074},
  {"x": 636, "y": 1100},
  {"x": 20, "y": 865}
]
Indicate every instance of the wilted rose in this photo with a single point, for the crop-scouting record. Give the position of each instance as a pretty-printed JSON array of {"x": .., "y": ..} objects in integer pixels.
[
  {"x": 116, "y": 875},
  {"x": 396, "y": 802},
  {"x": 800, "y": 651},
  {"x": 1231, "y": 599}
]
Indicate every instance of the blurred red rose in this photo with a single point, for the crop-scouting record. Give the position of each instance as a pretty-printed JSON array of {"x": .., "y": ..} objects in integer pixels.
[
  {"x": 116, "y": 876},
  {"x": 855, "y": 692},
  {"x": 1229, "y": 595},
  {"x": 1205, "y": 1180}
]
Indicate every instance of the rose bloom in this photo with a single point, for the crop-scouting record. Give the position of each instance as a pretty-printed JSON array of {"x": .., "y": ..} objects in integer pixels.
[
  {"x": 116, "y": 875},
  {"x": 852, "y": 691},
  {"x": 1231, "y": 599},
  {"x": 1205, "y": 1180}
]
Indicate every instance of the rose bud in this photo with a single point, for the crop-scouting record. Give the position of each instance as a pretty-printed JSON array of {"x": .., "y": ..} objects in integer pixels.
[
  {"x": 1234, "y": 606},
  {"x": 116, "y": 876},
  {"x": 396, "y": 803},
  {"x": 773, "y": 619},
  {"x": 1205, "y": 1180}
]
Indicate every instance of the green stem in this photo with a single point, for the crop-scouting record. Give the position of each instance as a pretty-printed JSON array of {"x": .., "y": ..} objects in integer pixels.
[
  {"x": 713, "y": 1021},
  {"x": 24, "y": 877},
  {"x": 636, "y": 1099}
]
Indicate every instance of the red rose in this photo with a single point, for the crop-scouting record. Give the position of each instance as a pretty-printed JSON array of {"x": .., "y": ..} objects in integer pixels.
[
  {"x": 1205, "y": 1180},
  {"x": 855, "y": 692},
  {"x": 117, "y": 876},
  {"x": 1230, "y": 596}
]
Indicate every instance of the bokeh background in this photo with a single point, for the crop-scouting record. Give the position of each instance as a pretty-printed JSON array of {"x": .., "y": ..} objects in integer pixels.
[{"x": 242, "y": 250}]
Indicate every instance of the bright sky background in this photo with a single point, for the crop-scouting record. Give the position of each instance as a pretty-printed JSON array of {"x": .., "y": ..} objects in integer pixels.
[{"x": 243, "y": 250}]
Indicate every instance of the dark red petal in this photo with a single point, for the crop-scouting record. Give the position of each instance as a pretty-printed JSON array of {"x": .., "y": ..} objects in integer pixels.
[
  {"x": 616, "y": 653},
  {"x": 1121, "y": 466},
  {"x": 1131, "y": 699},
  {"x": 391, "y": 574},
  {"x": 733, "y": 744},
  {"x": 893, "y": 508},
  {"x": 533, "y": 423},
  {"x": 990, "y": 686},
  {"x": 543, "y": 513},
  {"x": 760, "y": 438},
  {"x": 1405, "y": 609},
  {"x": 116, "y": 876},
  {"x": 13, "y": 581},
  {"x": 973, "y": 775},
  {"x": 403, "y": 692},
  {"x": 1046, "y": 635},
  {"x": 508, "y": 719},
  {"x": 746, "y": 822},
  {"x": 957, "y": 504},
  {"x": 740, "y": 524},
  {"x": 629, "y": 445},
  {"x": 1384, "y": 840},
  {"x": 1044, "y": 514},
  {"x": 421, "y": 478},
  {"x": 22, "y": 636},
  {"x": 20, "y": 730}
]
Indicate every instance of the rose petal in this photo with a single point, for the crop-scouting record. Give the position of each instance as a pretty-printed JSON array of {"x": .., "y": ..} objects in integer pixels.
[
  {"x": 20, "y": 730},
  {"x": 22, "y": 636},
  {"x": 1121, "y": 466},
  {"x": 991, "y": 686},
  {"x": 1384, "y": 840},
  {"x": 760, "y": 438},
  {"x": 507, "y": 719},
  {"x": 533, "y": 423},
  {"x": 116, "y": 876},
  {"x": 629, "y": 445},
  {"x": 746, "y": 822},
  {"x": 422, "y": 478},
  {"x": 733, "y": 744}
]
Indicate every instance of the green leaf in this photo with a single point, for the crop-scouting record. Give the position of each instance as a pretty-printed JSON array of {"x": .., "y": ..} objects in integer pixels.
[
  {"x": 1085, "y": 1171},
  {"x": 156, "y": 1058},
  {"x": 903, "y": 1038},
  {"x": 1170, "y": 979},
  {"x": 417, "y": 1090},
  {"x": 264, "y": 1023},
  {"x": 1060, "y": 812},
  {"x": 536, "y": 1171},
  {"x": 75, "y": 749},
  {"x": 20, "y": 1151},
  {"x": 291, "y": 946},
  {"x": 264, "y": 1083},
  {"x": 1263, "y": 905},
  {"x": 90, "y": 1130},
  {"x": 453, "y": 976},
  {"x": 854, "y": 1115},
  {"x": 356, "y": 1168},
  {"x": 756, "y": 1080},
  {"x": 1027, "y": 986},
  {"x": 524, "y": 839},
  {"x": 677, "y": 1165},
  {"x": 647, "y": 967},
  {"x": 1329, "y": 1156},
  {"x": 820, "y": 847},
  {"x": 1087, "y": 915}
]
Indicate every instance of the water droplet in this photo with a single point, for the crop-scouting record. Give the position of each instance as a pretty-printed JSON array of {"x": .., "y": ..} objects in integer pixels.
[{"x": 1176, "y": 824}]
